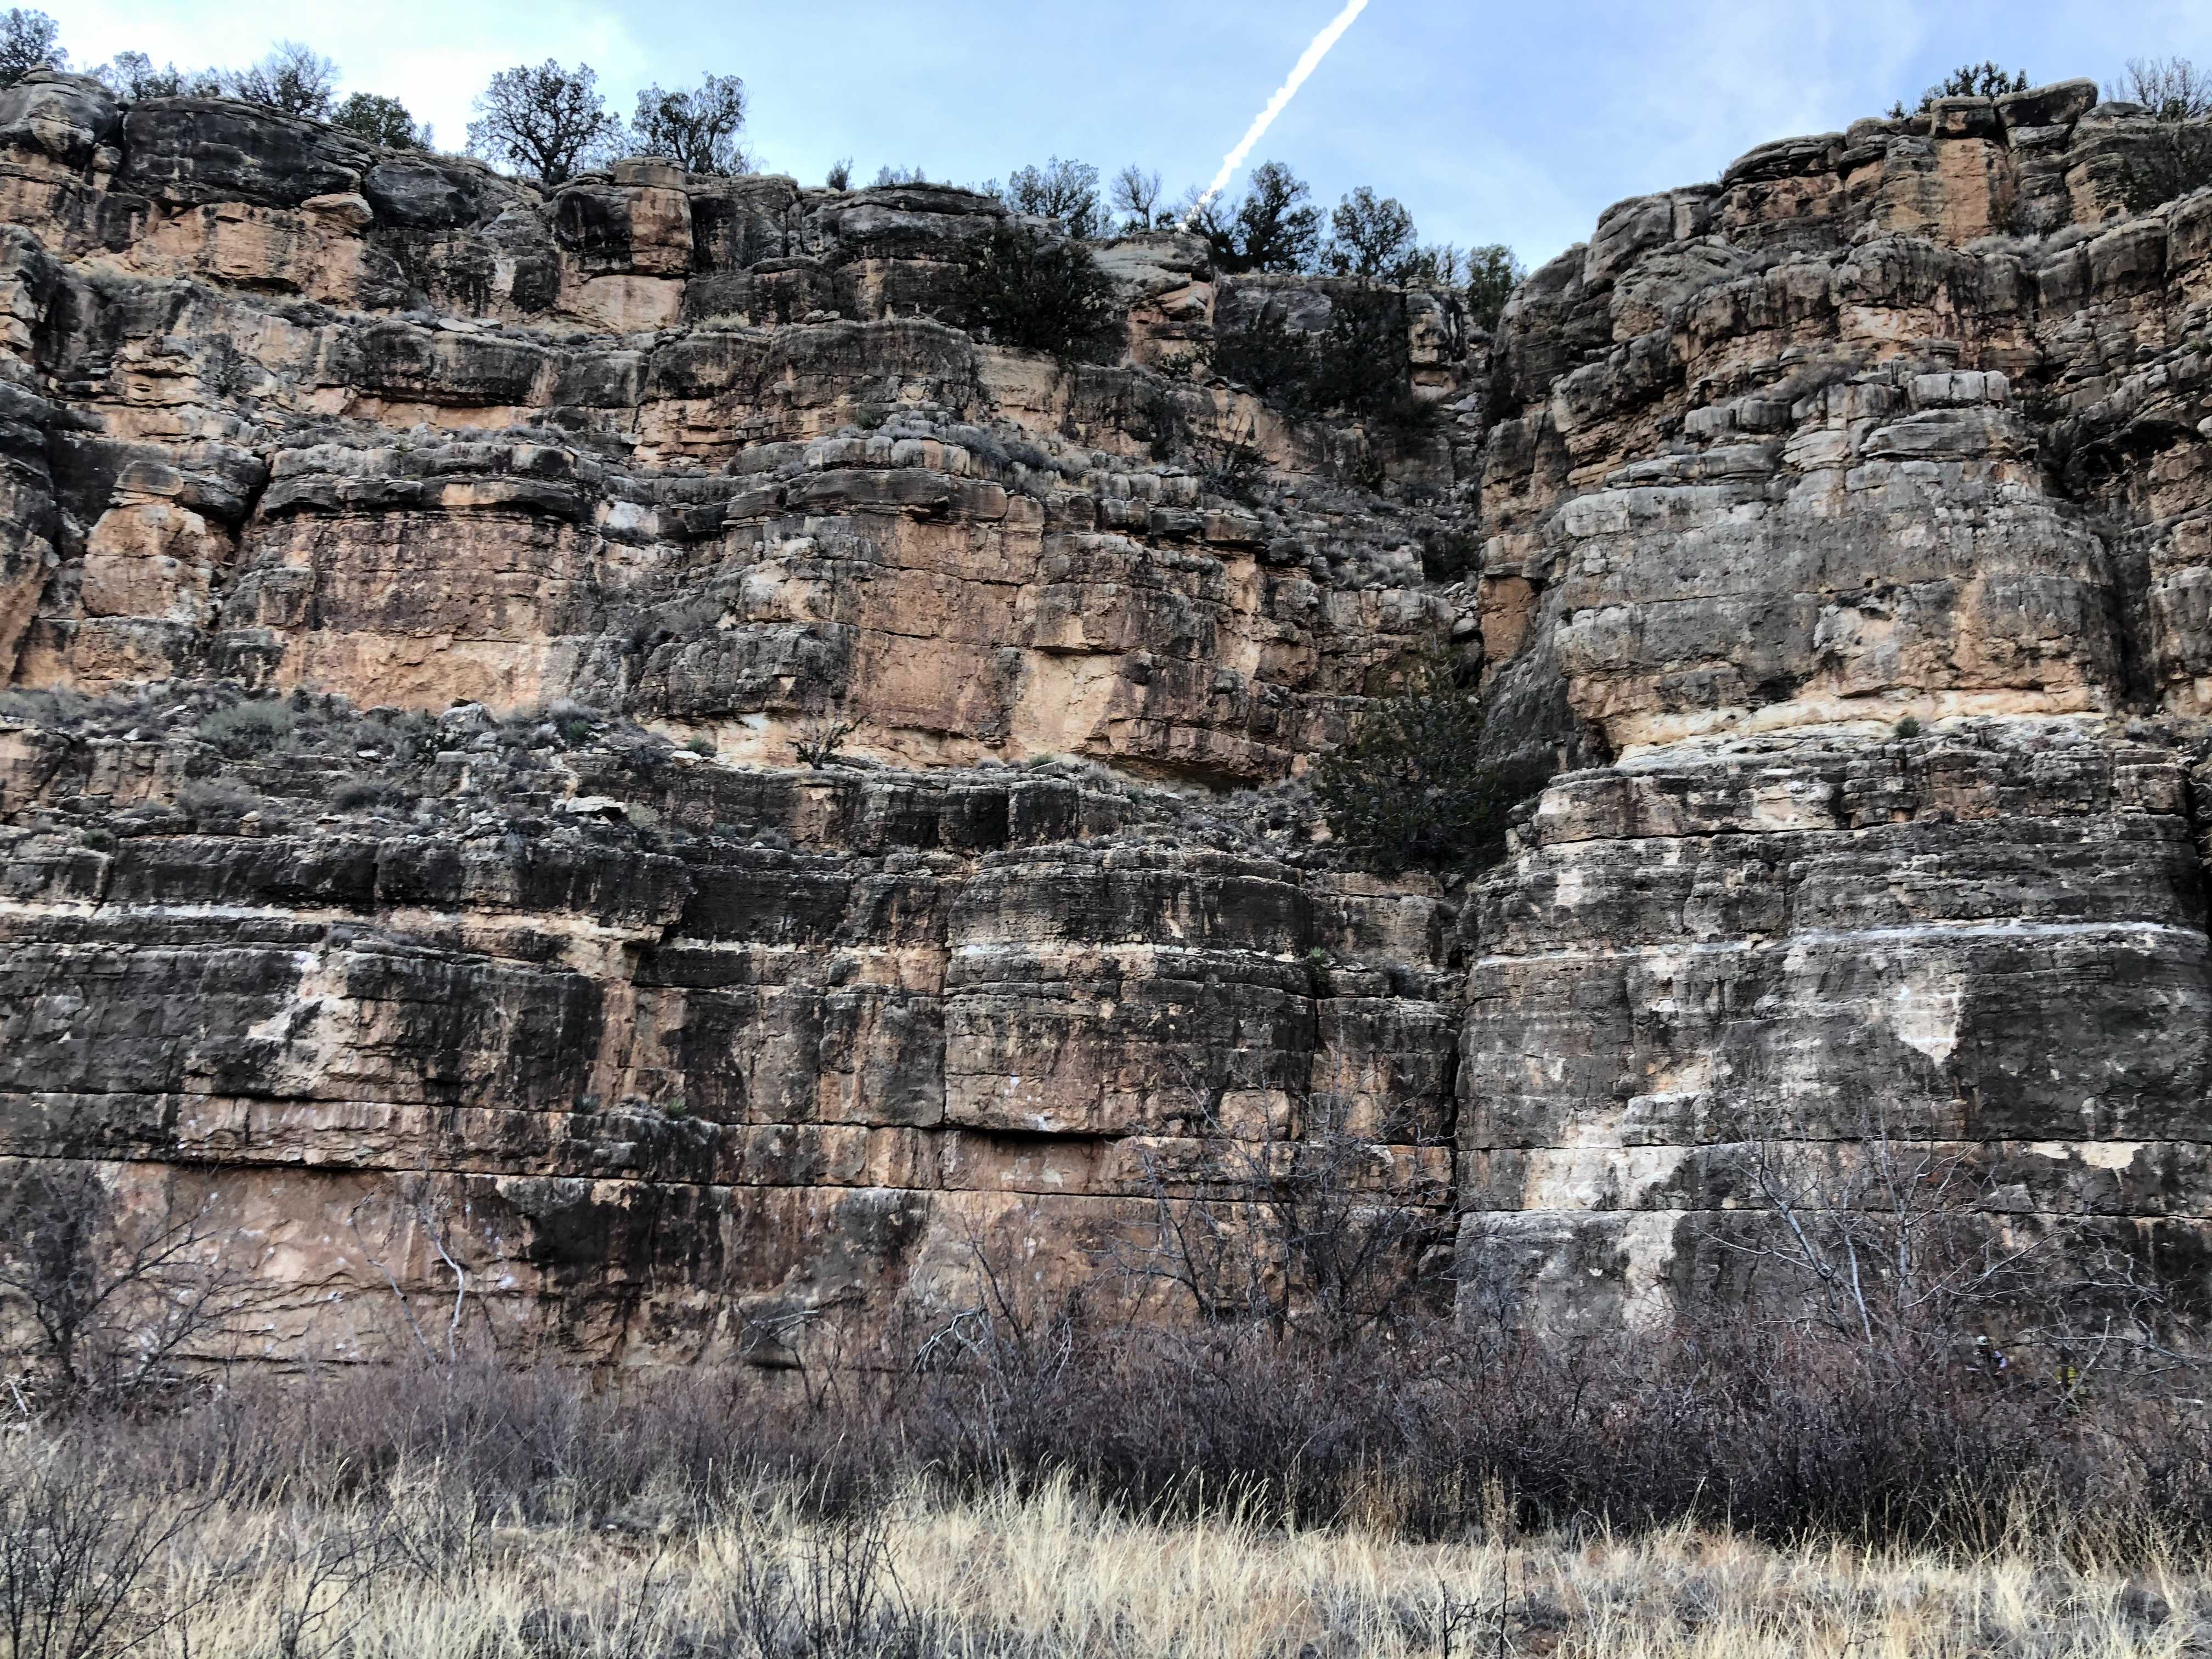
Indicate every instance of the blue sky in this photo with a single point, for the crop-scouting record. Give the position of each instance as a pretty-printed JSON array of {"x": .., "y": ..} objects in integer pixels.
[{"x": 1492, "y": 123}]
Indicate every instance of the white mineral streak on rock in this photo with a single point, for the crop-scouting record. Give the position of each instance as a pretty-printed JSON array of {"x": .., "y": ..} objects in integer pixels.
[{"x": 1925, "y": 1010}]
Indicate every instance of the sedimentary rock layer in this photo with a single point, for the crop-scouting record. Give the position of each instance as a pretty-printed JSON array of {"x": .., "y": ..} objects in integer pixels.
[
  {"x": 640, "y": 486},
  {"x": 419, "y": 593},
  {"x": 677, "y": 1098},
  {"x": 1855, "y": 503}
]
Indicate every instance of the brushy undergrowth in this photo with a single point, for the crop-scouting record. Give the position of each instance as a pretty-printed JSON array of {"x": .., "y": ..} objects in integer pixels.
[
  {"x": 1778, "y": 1432},
  {"x": 249, "y": 728},
  {"x": 1357, "y": 366},
  {"x": 1022, "y": 287},
  {"x": 1174, "y": 1499},
  {"x": 1370, "y": 1452}
]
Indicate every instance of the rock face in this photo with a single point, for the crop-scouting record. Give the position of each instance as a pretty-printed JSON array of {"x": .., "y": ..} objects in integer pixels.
[
  {"x": 686, "y": 1099},
  {"x": 1855, "y": 506},
  {"x": 396, "y": 428},
  {"x": 1992, "y": 940},
  {"x": 640, "y": 488},
  {"x": 420, "y": 594}
]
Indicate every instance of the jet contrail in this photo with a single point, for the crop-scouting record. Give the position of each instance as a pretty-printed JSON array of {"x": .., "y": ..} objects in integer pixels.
[{"x": 1305, "y": 65}]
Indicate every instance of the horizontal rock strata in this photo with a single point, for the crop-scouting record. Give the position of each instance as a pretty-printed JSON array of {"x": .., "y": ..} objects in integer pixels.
[
  {"x": 1854, "y": 503},
  {"x": 679, "y": 1097},
  {"x": 420, "y": 595}
]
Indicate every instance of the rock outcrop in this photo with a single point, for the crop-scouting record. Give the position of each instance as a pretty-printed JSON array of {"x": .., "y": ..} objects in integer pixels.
[
  {"x": 551, "y": 530},
  {"x": 1855, "y": 507},
  {"x": 422, "y": 594}
]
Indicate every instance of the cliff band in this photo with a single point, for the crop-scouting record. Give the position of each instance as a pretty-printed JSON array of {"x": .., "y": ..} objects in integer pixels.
[{"x": 421, "y": 596}]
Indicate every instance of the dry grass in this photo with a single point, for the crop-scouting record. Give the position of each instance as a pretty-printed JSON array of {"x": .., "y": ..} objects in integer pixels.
[
  {"x": 1072, "y": 1579},
  {"x": 412, "y": 1564}
]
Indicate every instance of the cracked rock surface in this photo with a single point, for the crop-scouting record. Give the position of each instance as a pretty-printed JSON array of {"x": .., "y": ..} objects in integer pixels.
[{"x": 415, "y": 590}]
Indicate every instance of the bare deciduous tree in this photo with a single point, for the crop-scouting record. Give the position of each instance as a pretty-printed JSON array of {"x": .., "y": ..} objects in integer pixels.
[
  {"x": 132, "y": 75},
  {"x": 114, "y": 1302},
  {"x": 821, "y": 737},
  {"x": 1136, "y": 193},
  {"x": 443, "y": 1231},
  {"x": 83, "y": 1559},
  {"x": 837, "y": 1595},
  {"x": 1884, "y": 1234},
  {"x": 546, "y": 120},
  {"x": 2171, "y": 88},
  {"x": 1318, "y": 1236},
  {"x": 292, "y": 79},
  {"x": 1901, "y": 1240}
]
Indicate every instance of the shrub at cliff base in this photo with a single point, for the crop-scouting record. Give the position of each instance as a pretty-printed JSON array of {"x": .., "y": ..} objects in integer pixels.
[
  {"x": 535, "y": 1521},
  {"x": 1786, "y": 1435}
]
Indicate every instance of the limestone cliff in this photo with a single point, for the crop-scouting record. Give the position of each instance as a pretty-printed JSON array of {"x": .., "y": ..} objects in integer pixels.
[
  {"x": 549, "y": 528},
  {"x": 1857, "y": 505},
  {"x": 561, "y": 523}
]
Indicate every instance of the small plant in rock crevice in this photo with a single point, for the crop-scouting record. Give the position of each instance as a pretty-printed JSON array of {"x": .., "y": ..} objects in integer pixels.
[
  {"x": 822, "y": 738},
  {"x": 1418, "y": 785},
  {"x": 205, "y": 800},
  {"x": 1315, "y": 962},
  {"x": 248, "y": 728},
  {"x": 361, "y": 794},
  {"x": 572, "y": 721}
]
